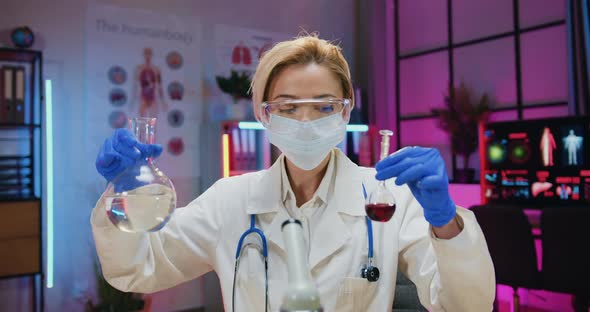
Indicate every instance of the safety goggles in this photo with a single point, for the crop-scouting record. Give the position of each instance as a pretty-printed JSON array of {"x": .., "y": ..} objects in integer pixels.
[{"x": 304, "y": 109}]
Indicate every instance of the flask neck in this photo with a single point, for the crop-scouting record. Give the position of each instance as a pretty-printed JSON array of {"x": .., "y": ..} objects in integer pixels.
[
  {"x": 144, "y": 129},
  {"x": 384, "y": 149}
]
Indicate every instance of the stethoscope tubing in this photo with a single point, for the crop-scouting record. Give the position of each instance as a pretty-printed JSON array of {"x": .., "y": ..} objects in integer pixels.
[
  {"x": 251, "y": 230},
  {"x": 254, "y": 230}
]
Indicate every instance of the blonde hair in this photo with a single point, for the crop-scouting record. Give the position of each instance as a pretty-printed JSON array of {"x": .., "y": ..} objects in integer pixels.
[{"x": 304, "y": 49}]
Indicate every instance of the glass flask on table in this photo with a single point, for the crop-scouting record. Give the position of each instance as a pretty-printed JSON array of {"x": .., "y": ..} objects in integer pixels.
[
  {"x": 142, "y": 198},
  {"x": 380, "y": 204}
]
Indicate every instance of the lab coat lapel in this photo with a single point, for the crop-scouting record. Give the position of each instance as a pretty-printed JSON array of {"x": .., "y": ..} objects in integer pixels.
[
  {"x": 275, "y": 234},
  {"x": 265, "y": 202},
  {"x": 332, "y": 233}
]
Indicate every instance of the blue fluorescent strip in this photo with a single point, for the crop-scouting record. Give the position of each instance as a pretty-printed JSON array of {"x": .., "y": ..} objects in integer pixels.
[
  {"x": 357, "y": 128},
  {"x": 49, "y": 145},
  {"x": 251, "y": 125}
]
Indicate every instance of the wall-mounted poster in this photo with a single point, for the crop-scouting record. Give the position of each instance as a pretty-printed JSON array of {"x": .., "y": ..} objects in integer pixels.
[
  {"x": 237, "y": 50},
  {"x": 145, "y": 64}
]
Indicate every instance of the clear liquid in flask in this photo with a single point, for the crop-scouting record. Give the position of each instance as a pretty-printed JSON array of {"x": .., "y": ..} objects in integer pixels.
[
  {"x": 145, "y": 209},
  {"x": 141, "y": 198}
]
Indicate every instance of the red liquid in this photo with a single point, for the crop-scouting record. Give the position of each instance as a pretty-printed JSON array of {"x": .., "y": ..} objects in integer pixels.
[{"x": 380, "y": 212}]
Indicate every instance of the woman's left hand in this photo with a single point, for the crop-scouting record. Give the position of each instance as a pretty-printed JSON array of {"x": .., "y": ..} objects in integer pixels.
[{"x": 423, "y": 169}]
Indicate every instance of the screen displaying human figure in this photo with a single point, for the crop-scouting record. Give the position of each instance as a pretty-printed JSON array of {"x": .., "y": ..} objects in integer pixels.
[
  {"x": 572, "y": 143},
  {"x": 148, "y": 87},
  {"x": 564, "y": 191},
  {"x": 557, "y": 171},
  {"x": 547, "y": 147}
]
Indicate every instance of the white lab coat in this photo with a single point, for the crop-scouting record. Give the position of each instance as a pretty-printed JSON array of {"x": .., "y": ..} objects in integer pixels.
[{"x": 450, "y": 275}]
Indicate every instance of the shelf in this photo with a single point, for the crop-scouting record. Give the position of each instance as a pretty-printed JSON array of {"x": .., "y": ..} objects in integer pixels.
[
  {"x": 18, "y": 198},
  {"x": 10, "y": 185},
  {"x": 21, "y": 275},
  {"x": 19, "y": 55},
  {"x": 14, "y": 157},
  {"x": 15, "y": 139},
  {"x": 15, "y": 166},
  {"x": 14, "y": 176},
  {"x": 18, "y": 125},
  {"x": 15, "y": 188},
  {"x": 21, "y": 180}
]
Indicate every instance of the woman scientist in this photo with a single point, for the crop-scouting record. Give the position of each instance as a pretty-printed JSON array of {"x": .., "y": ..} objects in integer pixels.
[{"x": 302, "y": 93}]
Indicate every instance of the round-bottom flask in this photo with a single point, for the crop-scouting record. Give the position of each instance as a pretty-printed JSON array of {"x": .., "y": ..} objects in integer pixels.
[
  {"x": 141, "y": 198},
  {"x": 380, "y": 204}
]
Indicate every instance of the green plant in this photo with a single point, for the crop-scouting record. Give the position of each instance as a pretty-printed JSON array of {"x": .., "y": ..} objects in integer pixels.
[
  {"x": 112, "y": 299},
  {"x": 237, "y": 85},
  {"x": 460, "y": 117}
]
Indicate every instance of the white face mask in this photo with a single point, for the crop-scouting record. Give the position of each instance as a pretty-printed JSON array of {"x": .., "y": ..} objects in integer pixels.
[{"x": 308, "y": 142}]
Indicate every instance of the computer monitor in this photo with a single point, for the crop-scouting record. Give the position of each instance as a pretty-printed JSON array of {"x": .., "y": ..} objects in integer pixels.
[{"x": 538, "y": 162}]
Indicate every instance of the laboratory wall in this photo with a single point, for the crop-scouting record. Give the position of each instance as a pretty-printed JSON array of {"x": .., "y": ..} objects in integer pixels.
[
  {"x": 60, "y": 33},
  {"x": 515, "y": 51}
]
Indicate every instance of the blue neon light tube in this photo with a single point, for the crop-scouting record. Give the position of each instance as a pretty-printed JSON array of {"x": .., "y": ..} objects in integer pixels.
[{"x": 49, "y": 159}]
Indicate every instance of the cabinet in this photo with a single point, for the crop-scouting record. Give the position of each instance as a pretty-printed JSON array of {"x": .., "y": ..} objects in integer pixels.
[
  {"x": 21, "y": 105},
  {"x": 245, "y": 148}
]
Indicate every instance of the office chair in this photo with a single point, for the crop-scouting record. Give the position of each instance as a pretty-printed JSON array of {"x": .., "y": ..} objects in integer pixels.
[
  {"x": 406, "y": 296},
  {"x": 512, "y": 247},
  {"x": 566, "y": 259}
]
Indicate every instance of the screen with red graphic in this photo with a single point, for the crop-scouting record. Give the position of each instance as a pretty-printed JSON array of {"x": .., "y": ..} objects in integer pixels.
[{"x": 542, "y": 162}]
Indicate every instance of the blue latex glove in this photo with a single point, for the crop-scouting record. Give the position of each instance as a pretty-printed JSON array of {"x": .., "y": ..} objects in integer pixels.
[
  {"x": 122, "y": 151},
  {"x": 423, "y": 169}
]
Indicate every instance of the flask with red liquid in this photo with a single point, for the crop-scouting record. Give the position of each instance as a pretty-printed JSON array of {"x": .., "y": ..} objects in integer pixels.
[{"x": 380, "y": 204}]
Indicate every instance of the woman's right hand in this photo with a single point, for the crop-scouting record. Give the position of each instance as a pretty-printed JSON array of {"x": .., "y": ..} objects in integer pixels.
[{"x": 121, "y": 151}]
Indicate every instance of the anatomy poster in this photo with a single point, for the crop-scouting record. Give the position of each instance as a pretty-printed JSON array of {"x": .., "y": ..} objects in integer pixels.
[
  {"x": 239, "y": 50},
  {"x": 145, "y": 64}
]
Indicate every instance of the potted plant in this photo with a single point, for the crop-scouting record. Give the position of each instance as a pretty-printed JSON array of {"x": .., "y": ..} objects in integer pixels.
[
  {"x": 237, "y": 85},
  {"x": 459, "y": 118}
]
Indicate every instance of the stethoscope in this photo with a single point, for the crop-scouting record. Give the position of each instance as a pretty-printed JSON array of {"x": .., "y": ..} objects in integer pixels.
[{"x": 368, "y": 271}]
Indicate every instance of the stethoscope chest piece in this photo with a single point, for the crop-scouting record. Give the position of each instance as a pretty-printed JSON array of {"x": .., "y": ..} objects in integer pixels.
[{"x": 370, "y": 272}]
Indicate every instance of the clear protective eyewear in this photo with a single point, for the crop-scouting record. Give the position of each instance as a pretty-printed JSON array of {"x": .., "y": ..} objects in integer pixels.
[{"x": 305, "y": 109}]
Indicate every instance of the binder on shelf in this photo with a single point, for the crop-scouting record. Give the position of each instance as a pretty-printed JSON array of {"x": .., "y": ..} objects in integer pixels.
[
  {"x": 236, "y": 153},
  {"x": 247, "y": 150},
  {"x": 7, "y": 100},
  {"x": 244, "y": 150},
  {"x": 19, "y": 95},
  {"x": 244, "y": 139},
  {"x": 252, "y": 150}
]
